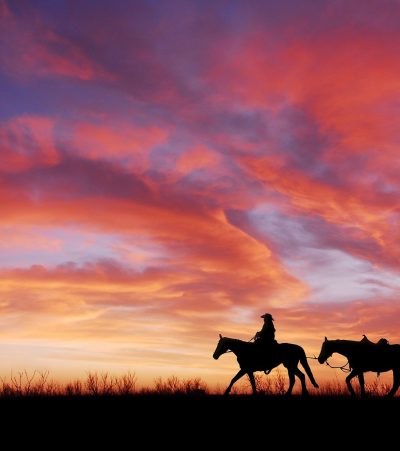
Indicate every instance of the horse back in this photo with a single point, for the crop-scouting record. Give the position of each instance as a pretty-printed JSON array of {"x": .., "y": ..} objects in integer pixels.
[
  {"x": 290, "y": 349},
  {"x": 375, "y": 357},
  {"x": 289, "y": 346}
]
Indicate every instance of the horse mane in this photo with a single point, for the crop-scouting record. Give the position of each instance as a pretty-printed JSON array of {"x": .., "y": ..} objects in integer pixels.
[
  {"x": 354, "y": 342},
  {"x": 234, "y": 339}
]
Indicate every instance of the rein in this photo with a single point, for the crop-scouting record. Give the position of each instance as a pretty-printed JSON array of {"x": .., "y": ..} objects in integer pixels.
[{"x": 342, "y": 368}]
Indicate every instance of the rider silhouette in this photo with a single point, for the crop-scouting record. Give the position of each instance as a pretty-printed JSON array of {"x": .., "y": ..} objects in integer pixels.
[{"x": 266, "y": 336}]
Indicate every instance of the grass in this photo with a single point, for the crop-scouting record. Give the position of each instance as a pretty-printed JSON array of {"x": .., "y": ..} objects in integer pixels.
[
  {"x": 25, "y": 384},
  {"x": 39, "y": 384}
]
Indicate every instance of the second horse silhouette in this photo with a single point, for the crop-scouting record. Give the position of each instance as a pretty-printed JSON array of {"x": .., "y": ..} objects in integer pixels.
[
  {"x": 250, "y": 359},
  {"x": 364, "y": 356}
]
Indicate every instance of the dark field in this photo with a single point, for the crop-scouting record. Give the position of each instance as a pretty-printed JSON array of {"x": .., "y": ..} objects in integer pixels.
[
  {"x": 204, "y": 412},
  {"x": 175, "y": 412},
  {"x": 207, "y": 422}
]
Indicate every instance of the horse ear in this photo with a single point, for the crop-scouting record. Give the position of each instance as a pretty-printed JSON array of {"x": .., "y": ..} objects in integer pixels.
[
  {"x": 326, "y": 339},
  {"x": 220, "y": 336}
]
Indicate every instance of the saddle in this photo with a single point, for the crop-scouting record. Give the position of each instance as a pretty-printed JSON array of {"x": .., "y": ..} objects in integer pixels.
[
  {"x": 266, "y": 351},
  {"x": 381, "y": 342}
]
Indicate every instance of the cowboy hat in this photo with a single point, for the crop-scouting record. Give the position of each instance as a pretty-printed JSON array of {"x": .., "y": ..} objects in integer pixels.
[{"x": 267, "y": 315}]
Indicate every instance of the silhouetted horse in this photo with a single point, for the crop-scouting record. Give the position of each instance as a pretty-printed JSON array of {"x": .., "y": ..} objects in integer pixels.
[
  {"x": 250, "y": 359},
  {"x": 364, "y": 357}
]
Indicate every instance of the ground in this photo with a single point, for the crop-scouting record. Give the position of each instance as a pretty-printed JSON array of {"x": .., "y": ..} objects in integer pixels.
[{"x": 204, "y": 418}]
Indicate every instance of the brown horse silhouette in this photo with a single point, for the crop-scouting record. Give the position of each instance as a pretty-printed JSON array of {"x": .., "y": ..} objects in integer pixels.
[
  {"x": 250, "y": 360},
  {"x": 364, "y": 356}
]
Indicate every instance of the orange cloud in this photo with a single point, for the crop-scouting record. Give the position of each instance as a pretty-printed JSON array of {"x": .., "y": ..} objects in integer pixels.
[{"x": 25, "y": 238}]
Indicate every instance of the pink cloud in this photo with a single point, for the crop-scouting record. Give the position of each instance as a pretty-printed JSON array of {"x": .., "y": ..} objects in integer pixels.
[
  {"x": 35, "y": 50},
  {"x": 4, "y": 10},
  {"x": 199, "y": 157},
  {"x": 118, "y": 141},
  {"x": 27, "y": 142}
]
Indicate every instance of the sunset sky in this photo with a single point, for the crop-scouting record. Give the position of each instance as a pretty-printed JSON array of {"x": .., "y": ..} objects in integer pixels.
[{"x": 171, "y": 170}]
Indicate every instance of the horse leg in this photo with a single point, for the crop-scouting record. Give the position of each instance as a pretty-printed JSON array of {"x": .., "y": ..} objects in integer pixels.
[
  {"x": 396, "y": 382},
  {"x": 362, "y": 383},
  {"x": 302, "y": 378},
  {"x": 236, "y": 378},
  {"x": 252, "y": 382},
  {"x": 348, "y": 379},
  {"x": 291, "y": 381}
]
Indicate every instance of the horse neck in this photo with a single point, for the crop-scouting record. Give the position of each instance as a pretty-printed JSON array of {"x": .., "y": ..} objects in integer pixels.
[
  {"x": 344, "y": 347},
  {"x": 236, "y": 346}
]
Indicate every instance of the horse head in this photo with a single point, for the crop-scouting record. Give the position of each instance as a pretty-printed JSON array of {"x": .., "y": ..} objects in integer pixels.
[
  {"x": 221, "y": 348},
  {"x": 326, "y": 351}
]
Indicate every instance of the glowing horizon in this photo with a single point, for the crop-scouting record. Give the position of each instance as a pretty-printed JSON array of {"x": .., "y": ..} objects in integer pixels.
[{"x": 172, "y": 170}]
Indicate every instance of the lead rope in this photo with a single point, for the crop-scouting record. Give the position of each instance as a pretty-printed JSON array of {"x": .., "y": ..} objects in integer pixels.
[{"x": 341, "y": 368}]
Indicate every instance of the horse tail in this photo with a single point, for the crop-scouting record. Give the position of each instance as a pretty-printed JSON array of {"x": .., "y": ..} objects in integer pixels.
[{"x": 306, "y": 366}]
